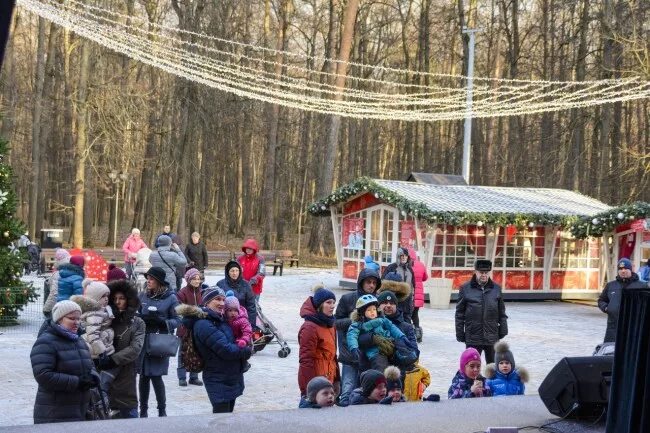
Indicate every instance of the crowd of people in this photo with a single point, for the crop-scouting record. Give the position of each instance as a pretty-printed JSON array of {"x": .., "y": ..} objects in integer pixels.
[{"x": 361, "y": 350}]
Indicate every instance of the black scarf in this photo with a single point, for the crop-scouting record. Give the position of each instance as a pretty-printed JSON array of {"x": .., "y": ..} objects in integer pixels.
[{"x": 321, "y": 319}]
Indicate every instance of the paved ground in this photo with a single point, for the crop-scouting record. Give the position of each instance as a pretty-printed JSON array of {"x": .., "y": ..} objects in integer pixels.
[{"x": 541, "y": 333}]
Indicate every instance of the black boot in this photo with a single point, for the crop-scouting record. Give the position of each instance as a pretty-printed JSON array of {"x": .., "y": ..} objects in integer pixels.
[
  {"x": 418, "y": 334},
  {"x": 143, "y": 411},
  {"x": 161, "y": 411}
]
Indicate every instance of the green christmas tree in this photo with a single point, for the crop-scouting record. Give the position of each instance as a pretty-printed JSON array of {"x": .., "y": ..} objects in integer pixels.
[{"x": 14, "y": 294}]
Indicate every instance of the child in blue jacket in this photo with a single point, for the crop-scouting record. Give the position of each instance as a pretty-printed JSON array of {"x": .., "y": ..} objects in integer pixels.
[{"x": 502, "y": 376}]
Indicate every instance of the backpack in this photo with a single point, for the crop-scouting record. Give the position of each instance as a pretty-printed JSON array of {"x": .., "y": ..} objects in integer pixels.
[{"x": 190, "y": 356}]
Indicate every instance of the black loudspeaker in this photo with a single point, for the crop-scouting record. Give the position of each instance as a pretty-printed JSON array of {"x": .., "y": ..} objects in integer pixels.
[{"x": 578, "y": 387}]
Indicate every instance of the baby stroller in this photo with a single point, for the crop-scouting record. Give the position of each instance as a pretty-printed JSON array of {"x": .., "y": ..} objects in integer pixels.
[
  {"x": 34, "y": 258},
  {"x": 267, "y": 333}
]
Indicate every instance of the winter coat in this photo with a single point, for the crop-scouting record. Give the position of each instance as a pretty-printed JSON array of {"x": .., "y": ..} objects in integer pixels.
[
  {"x": 173, "y": 236},
  {"x": 70, "y": 278},
  {"x": 480, "y": 314},
  {"x": 404, "y": 292},
  {"x": 131, "y": 246},
  {"x": 408, "y": 276},
  {"x": 165, "y": 303},
  {"x": 253, "y": 266},
  {"x": 141, "y": 266},
  {"x": 96, "y": 322},
  {"x": 415, "y": 382},
  {"x": 317, "y": 341},
  {"x": 357, "y": 398},
  {"x": 197, "y": 255},
  {"x": 461, "y": 387},
  {"x": 190, "y": 296},
  {"x": 224, "y": 361},
  {"x": 407, "y": 329},
  {"x": 379, "y": 326},
  {"x": 54, "y": 293},
  {"x": 369, "y": 263},
  {"x": 243, "y": 293},
  {"x": 347, "y": 304},
  {"x": 58, "y": 361},
  {"x": 420, "y": 275},
  {"x": 609, "y": 301},
  {"x": 175, "y": 262},
  {"x": 129, "y": 338},
  {"x": 506, "y": 384},
  {"x": 241, "y": 328},
  {"x": 306, "y": 404}
]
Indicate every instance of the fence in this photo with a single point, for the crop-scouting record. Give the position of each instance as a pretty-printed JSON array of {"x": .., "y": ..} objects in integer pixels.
[{"x": 30, "y": 316}]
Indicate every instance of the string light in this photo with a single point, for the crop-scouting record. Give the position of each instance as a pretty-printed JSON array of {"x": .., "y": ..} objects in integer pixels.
[{"x": 196, "y": 57}]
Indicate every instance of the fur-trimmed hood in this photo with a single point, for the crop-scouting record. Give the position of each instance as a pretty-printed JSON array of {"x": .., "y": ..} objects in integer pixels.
[
  {"x": 401, "y": 289},
  {"x": 191, "y": 311},
  {"x": 87, "y": 304},
  {"x": 491, "y": 372},
  {"x": 129, "y": 290}
]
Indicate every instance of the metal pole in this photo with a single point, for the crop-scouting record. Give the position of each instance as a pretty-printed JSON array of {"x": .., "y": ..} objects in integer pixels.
[
  {"x": 467, "y": 135},
  {"x": 117, "y": 201}
]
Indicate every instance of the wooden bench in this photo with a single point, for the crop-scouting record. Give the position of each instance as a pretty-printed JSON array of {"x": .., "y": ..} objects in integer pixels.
[
  {"x": 219, "y": 258},
  {"x": 111, "y": 256},
  {"x": 286, "y": 256},
  {"x": 270, "y": 260}
]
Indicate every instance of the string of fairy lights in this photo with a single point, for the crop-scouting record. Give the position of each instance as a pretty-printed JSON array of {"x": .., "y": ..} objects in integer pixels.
[{"x": 372, "y": 92}]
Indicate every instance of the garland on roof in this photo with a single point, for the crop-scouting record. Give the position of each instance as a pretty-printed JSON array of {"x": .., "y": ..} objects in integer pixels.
[
  {"x": 422, "y": 212},
  {"x": 606, "y": 222}
]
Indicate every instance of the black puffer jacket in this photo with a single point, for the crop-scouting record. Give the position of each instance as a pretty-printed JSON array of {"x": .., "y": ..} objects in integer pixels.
[
  {"x": 609, "y": 301},
  {"x": 58, "y": 361},
  {"x": 347, "y": 304},
  {"x": 197, "y": 255},
  {"x": 480, "y": 314}
]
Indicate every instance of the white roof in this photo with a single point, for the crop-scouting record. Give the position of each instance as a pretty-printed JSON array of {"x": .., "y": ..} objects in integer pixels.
[{"x": 493, "y": 199}]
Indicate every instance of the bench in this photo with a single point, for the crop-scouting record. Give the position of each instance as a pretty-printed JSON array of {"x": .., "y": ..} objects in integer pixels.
[
  {"x": 111, "y": 256},
  {"x": 286, "y": 256},
  {"x": 219, "y": 258},
  {"x": 270, "y": 260}
]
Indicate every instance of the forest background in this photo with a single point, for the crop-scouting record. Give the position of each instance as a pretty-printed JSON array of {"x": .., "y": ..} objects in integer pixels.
[{"x": 228, "y": 167}]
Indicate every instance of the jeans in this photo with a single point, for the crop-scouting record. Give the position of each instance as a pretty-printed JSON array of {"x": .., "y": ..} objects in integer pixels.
[
  {"x": 181, "y": 372},
  {"x": 488, "y": 349},
  {"x": 127, "y": 413},
  {"x": 349, "y": 381},
  {"x": 223, "y": 407}
]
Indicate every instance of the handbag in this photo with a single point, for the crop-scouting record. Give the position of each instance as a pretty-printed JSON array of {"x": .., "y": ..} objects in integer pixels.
[{"x": 162, "y": 345}]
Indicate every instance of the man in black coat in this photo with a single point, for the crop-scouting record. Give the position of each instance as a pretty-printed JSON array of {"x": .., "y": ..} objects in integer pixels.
[
  {"x": 481, "y": 317},
  {"x": 196, "y": 253},
  {"x": 609, "y": 300},
  {"x": 368, "y": 282}
]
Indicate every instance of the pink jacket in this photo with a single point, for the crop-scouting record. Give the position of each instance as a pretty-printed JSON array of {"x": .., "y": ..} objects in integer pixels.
[
  {"x": 420, "y": 275},
  {"x": 132, "y": 245},
  {"x": 241, "y": 327}
]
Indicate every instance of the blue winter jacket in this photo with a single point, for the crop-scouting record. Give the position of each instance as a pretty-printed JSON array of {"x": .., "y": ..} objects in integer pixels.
[
  {"x": 224, "y": 361},
  {"x": 70, "y": 278},
  {"x": 509, "y": 384},
  {"x": 379, "y": 326},
  {"x": 370, "y": 264}
]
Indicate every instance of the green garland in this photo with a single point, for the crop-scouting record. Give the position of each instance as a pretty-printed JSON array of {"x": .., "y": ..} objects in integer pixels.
[
  {"x": 422, "y": 212},
  {"x": 605, "y": 222}
]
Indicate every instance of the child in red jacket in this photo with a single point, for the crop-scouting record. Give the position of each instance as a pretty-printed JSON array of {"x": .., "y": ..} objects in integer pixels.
[{"x": 253, "y": 266}]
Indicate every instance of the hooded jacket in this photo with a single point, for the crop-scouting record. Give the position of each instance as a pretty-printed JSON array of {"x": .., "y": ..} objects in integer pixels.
[
  {"x": 317, "y": 341},
  {"x": 129, "y": 333},
  {"x": 506, "y": 384},
  {"x": 253, "y": 266},
  {"x": 415, "y": 382},
  {"x": 58, "y": 362},
  {"x": 345, "y": 307},
  {"x": 481, "y": 318},
  {"x": 97, "y": 323},
  {"x": 171, "y": 261},
  {"x": 609, "y": 301},
  {"x": 242, "y": 291},
  {"x": 70, "y": 279}
]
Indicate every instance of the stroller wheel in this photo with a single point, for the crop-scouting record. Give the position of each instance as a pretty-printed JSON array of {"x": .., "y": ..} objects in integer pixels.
[{"x": 284, "y": 352}]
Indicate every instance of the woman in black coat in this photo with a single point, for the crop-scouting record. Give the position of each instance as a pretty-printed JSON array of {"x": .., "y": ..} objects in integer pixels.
[
  {"x": 242, "y": 290},
  {"x": 62, "y": 367}
]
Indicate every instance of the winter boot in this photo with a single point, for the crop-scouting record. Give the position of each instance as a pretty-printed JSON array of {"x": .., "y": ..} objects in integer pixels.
[
  {"x": 418, "y": 334},
  {"x": 143, "y": 411},
  {"x": 161, "y": 411},
  {"x": 182, "y": 382},
  {"x": 196, "y": 381}
]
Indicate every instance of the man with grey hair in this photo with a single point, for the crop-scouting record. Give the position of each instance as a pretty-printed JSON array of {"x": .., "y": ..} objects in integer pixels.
[{"x": 197, "y": 253}]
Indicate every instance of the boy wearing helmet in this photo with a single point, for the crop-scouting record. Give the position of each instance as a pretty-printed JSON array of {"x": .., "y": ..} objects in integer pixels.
[{"x": 365, "y": 320}]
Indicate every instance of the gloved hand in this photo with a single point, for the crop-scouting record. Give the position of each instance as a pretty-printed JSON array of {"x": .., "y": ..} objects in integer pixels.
[
  {"x": 358, "y": 355},
  {"x": 460, "y": 338},
  {"x": 106, "y": 362},
  {"x": 385, "y": 345},
  {"x": 241, "y": 343},
  {"x": 86, "y": 381},
  {"x": 253, "y": 281},
  {"x": 387, "y": 400},
  {"x": 247, "y": 351},
  {"x": 154, "y": 319}
]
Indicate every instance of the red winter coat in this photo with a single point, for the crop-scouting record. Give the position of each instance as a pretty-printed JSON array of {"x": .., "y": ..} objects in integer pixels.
[
  {"x": 420, "y": 275},
  {"x": 252, "y": 266},
  {"x": 190, "y": 296},
  {"x": 317, "y": 343}
]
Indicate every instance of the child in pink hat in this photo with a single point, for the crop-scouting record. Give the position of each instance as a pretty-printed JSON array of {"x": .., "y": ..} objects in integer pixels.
[{"x": 468, "y": 382}]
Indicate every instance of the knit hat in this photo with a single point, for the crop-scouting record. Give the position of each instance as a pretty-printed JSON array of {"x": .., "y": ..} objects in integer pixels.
[
  {"x": 232, "y": 303},
  {"x": 393, "y": 378},
  {"x": 369, "y": 380},
  {"x": 61, "y": 256},
  {"x": 114, "y": 273},
  {"x": 63, "y": 308},
  {"x": 624, "y": 264},
  {"x": 95, "y": 290},
  {"x": 320, "y": 296},
  {"x": 158, "y": 274},
  {"x": 315, "y": 385},
  {"x": 78, "y": 261},
  {"x": 387, "y": 296},
  {"x": 191, "y": 273},
  {"x": 483, "y": 265},
  {"x": 210, "y": 293},
  {"x": 393, "y": 276},
  {"x": 164, "y": 241},
  {"x": 502, "y": 353},
  {"x": 470, "y": 354}
]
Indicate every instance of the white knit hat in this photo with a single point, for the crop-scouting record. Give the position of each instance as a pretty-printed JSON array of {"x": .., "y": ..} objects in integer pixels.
[
  {"x": 61, "y": 256},
  {"x": 95, "y": 290},
  {"x": 63, "y": 308}
]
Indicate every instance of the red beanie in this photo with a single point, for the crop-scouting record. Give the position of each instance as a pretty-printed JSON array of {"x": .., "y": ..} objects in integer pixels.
[
  {"x": 114, "y": 273},
  {"x": 78, "y": 261}
]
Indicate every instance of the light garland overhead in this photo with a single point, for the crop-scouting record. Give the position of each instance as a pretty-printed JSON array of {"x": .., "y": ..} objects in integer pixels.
[{"x": 378, "y": 92}]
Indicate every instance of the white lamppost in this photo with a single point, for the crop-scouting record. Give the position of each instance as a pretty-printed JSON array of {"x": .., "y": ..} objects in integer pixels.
[{"x": 116, "y": 178}]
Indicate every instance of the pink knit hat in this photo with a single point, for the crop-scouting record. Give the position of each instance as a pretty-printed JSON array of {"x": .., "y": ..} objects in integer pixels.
[
  {"x": 61, "y": 256},
  {"x": 232, "y": 303},
  {"x": 468, "y": 355}
]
